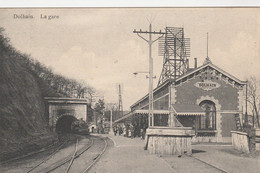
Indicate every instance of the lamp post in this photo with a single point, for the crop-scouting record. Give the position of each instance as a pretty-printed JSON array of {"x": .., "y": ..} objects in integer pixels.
[
  {"x": 150, "y": 117},
  {"x": 111, "y": 123},
  {"x": 136, "y": 73}
]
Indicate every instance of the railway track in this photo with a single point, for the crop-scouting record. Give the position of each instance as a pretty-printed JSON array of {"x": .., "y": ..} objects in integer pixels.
[
  {"x": 89, "y": 157},
  {"x": 97, "y": 158},
  {"x": 65, "y": 139},
  {"x": 48, "y": 157},
  {"x": 86, "y": 153},
  {"x": 209, "y": 164}
]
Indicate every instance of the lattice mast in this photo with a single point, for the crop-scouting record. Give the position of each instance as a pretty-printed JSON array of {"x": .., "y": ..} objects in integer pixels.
[
  {"x": 120, "y": 103},
  {"x": 175, "y": 49}
]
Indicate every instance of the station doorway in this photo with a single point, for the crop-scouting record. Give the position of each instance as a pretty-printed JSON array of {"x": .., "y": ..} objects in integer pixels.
[{"x": 63, "y": 124}]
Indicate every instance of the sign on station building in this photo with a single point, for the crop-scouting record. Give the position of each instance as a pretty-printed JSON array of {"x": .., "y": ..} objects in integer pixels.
[{"x": 205, "y": 98}]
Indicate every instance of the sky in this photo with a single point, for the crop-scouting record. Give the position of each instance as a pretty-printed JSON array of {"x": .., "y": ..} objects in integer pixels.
[{"x": 98, "y": 46}]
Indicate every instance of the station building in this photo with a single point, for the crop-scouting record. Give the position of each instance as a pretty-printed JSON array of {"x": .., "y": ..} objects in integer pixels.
[{"x": 206, "y": 98}]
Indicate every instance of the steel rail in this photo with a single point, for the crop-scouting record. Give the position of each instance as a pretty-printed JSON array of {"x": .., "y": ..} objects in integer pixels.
[
  {"x": 42, "y": 150},
  {"x": 48, "y": 157},
  {"x": 219, "y": 169},
  {"x": 96, "y": 158},
  {"x": 67, "y": 159},
  {"x": 73, "y": 156}
]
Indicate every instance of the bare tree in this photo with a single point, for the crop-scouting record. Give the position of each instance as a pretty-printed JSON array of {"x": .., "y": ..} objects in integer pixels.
[
  {"x": 254, "y": 99},
  {"x": 91, "y": 93},
  {"x": 80, "y": 89}
]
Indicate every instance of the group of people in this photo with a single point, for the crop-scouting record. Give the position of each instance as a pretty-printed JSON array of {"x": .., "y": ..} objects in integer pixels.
[
  {"x": 118, "y": 129},
  {"x": 128, "y": 130}
]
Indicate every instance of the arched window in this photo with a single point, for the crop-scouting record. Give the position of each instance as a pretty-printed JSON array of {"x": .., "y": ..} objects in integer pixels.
[{"x": 209, "y": 120}]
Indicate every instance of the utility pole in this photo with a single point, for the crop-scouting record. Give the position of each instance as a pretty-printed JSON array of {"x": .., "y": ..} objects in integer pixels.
[
  {"x": 111, "y": 121},
  {"x": 246, "y": 116},
  {"x": 207, "y": 45},
  {"x": 120, "y": 102},
  {"x": 150, "y": 43}
]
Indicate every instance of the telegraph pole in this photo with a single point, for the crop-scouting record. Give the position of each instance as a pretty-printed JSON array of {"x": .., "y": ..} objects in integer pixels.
[
  {"x": 111, "y": 121},
  {"x": 246, "y": 116},
  {"x": 150, "y": 43},
  {"x": 120, "y": 103},
  {"x": 207, "y": 45}
]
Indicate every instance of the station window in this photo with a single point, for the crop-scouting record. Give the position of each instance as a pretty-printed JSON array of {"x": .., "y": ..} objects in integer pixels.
[
  {"x": 161, "y": 119},
  {"x": 208, "y": 122}
]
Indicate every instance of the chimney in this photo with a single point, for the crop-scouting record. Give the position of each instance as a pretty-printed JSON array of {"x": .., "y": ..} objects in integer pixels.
[{"x": 195, "y": 63}]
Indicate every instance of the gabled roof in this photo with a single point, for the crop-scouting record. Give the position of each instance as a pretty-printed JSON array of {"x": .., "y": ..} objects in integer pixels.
[
  {"x": 214, "y": 67},
  {"x": 156, "y": 89},
  {"x": 129, "y": 114},
  {"x": 190, "y": 72}
]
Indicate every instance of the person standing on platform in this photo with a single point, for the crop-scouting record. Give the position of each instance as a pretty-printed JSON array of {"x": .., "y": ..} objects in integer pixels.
[
  {"x": 127, "y": 130},
  {"x": 120, "y": 130},
  {"x": 115, "y": 130},
  {"x": 124, "y": 130},
  {"x": 142, "y": 132},
  {"x": 132, "y": 130}
]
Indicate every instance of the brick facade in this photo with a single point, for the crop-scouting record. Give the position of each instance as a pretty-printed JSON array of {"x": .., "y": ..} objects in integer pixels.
[
  {"x": 227, "y": 97},
  {"x": 226, "y": 94},
  {"x": 206, "y": 83}
]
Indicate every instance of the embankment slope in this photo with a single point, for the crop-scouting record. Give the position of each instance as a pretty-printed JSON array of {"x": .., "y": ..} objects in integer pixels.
[{"x": 23, "y": 125}]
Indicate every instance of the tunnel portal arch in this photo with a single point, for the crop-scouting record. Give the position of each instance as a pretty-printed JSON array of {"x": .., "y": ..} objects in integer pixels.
[
  {"x": 59, "y": 106},
  {"x": 63, "y": 124}
]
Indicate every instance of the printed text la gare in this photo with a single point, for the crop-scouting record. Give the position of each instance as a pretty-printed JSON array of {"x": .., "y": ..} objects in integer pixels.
[{"x": 49, "y": 17}]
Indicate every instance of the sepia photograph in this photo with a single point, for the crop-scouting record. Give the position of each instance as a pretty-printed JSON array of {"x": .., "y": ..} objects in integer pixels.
[{"x": 135, "y": 90}]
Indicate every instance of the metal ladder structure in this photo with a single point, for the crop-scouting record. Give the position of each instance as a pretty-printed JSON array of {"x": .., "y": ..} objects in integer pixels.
[{"x": 238, "y": 122}]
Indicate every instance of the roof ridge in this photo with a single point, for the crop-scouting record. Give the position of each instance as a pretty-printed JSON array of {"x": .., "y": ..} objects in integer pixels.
[{"x": 209, "y": 63}]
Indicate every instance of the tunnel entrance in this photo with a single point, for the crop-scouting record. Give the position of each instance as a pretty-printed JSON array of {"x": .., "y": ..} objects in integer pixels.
[{"x": 63, "y": 124}]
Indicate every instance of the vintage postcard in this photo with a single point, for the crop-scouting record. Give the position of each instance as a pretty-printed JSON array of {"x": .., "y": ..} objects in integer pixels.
[{"x": 129, "y": 90}]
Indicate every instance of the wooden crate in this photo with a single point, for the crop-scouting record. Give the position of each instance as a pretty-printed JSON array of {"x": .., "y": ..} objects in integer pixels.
[
  {"x": 169, "y": 141},
  {"x": 240, "y": 141}
]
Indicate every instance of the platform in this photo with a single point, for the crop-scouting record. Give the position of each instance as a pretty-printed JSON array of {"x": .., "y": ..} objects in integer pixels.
[{"x": 128, "y": 155}]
